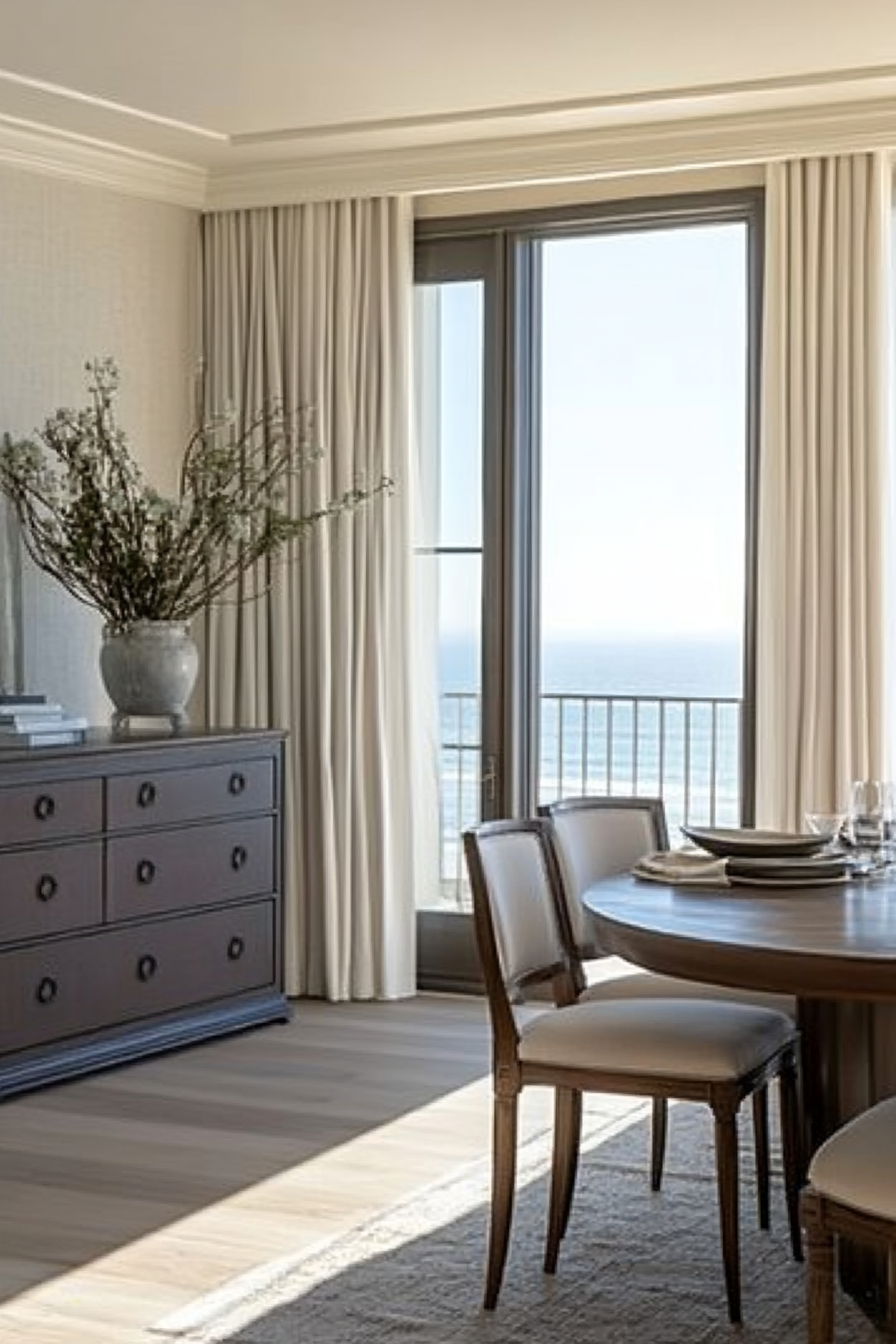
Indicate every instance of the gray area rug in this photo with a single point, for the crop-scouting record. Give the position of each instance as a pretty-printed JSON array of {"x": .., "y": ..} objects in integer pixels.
[{"x": 635, "y": 1268}]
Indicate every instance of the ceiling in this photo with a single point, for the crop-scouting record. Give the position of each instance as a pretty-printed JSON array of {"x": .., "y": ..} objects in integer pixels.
[{"x": 206, "y": 93}]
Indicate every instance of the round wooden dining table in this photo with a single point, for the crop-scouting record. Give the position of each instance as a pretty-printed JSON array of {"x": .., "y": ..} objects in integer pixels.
[{"x": 832, "y": 947}]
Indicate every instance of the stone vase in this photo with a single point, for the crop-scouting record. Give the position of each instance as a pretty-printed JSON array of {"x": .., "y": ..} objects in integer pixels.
[{"x": 149, "y": 671}]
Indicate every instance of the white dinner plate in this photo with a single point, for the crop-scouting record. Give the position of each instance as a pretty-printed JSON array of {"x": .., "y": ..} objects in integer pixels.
[
  {"x": 794, "y": 867},
  {"x": 789, "y": 883},
  {"x": 732, "y": 842}
]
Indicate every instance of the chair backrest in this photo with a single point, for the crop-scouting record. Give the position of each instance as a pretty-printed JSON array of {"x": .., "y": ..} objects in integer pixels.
[
  {"x": 595, "y": 837},
  {"x": 517, "y": 895}
]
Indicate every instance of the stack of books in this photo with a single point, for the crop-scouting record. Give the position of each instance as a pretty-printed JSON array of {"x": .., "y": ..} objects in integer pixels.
[{"x": 35, "y": 721}]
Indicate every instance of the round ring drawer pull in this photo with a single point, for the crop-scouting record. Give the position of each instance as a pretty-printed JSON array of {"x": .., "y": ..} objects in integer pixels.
[
  {"x": 235, "y": 948},
  {"x": 146, "y": 968},
  {"x": 239, "y": 857},
  {"x": 146, "y": 871},
  {"x": 44, "y": 807},
  {"x": 47, "y": 887},
  {"x": 237, "y": 783},
  {"x": 146, "y": 794},
  {"x": 47, "y": 990}
]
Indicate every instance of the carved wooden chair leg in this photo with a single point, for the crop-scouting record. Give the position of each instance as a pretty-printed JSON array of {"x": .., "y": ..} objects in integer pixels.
[
  {"x": 658, "y": 1133},
  {"x": 819, "y": 1273},
  {"x": 727, "y": 1178},
  {"x": 567, "y": 1135},
  {"x": 760, "y": 1141},
  {"x": 890, "y": 1310},
  {"x": 791, "y": 1149},
  {"x": 504, "y": 1134},
  {"x": 574, "y": 1167}
]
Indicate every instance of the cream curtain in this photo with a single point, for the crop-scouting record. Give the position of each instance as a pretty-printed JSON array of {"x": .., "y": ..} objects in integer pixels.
[
  {"x": 311, "y": 305},
  {"x": 11, "y": 672},
  {"x": 821, "y": 629}
]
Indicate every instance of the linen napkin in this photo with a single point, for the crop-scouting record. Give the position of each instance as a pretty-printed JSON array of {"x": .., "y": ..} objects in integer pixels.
[{"x": 683, "y": 867}]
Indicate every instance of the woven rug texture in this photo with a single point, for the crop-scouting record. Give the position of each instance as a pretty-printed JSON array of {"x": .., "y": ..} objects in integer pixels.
[{"x": 635, "y": 1267}]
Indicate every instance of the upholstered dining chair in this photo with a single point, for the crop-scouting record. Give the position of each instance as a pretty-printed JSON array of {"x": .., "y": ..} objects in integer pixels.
[
  {"x": 596, "y": 836},
  {"x": 713, "y": 1052},
  {"x": 851, "y": 1192}
]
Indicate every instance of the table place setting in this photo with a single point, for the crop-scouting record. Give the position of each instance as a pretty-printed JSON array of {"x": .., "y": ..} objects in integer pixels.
[
  {"x": 858, "y": 842},
  {"x": 744, "y": 857},
  {"x": 696, "y": 868}
]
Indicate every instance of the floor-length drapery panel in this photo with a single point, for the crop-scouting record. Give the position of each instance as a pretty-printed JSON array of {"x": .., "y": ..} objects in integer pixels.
[
  {"x": 310, "y": 306},
  {"x": 821, "y": 645},
  {"x": 11, "y": 672}
]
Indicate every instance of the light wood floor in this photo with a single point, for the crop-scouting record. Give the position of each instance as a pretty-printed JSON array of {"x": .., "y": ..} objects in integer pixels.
[{"x": 126, "y": 1196}]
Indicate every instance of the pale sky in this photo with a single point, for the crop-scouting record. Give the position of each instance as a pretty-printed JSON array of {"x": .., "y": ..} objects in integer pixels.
[
  {"x": 643, "y": 414},
  {"x": 643, "y": 432}
]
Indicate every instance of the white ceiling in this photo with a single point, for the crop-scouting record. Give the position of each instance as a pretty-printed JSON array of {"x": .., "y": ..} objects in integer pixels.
[{"x": 210, "y": 90}]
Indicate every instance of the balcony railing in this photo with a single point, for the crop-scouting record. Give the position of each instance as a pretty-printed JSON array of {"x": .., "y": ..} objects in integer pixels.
[{"x": 683, "y": 749}]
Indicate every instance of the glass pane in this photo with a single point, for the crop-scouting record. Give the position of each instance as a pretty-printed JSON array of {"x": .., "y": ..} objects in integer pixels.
[
  {"x": 460, "y": 723},
  {"x": 449, "y": 336},
  {"x": 449, "y": 415},
  {"x": 460, "y": 516},
  {"x": 643, "y": 516}
]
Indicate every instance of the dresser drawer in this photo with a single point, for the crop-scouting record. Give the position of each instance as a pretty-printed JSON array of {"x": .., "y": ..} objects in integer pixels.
[
  {"x": 163, "y": 797},
  {"x": 50, "y": 890},
  {"x": 198, "y": 865},
  {"x": 35, "y": 813},
  {"x": 60, "y": 989}
]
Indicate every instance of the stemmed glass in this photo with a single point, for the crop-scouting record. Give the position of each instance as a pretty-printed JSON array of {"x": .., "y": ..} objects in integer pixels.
[
  {"x": 829, "y": 824},
  {"x": 870, "y": 822}
]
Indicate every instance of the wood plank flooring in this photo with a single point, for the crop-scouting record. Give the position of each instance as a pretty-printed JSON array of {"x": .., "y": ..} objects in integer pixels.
[{"x": 127, "y": 1195}]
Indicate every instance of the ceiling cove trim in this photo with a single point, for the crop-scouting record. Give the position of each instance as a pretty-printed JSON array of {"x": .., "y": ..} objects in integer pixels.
[
  {"x": 44, "y": 150},
  {"x": 698, "y": 142},
  {"x": 458, "y": 165}
]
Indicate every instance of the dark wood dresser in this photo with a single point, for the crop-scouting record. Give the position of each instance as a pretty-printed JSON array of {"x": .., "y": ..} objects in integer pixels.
[{"x": 140, "y": 898}]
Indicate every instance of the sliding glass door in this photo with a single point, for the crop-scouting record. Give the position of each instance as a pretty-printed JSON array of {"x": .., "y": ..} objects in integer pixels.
[
  {"x": 584, "y": 539},
  {"x": 458, "y": 424},
  {"x": 644, "y": 381}
]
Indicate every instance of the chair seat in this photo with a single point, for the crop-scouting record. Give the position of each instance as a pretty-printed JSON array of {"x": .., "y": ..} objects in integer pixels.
[
  {"x": 857, "y": 1165},
  {"x": 614, "y": 978},
  {"x": 684, "y": 1038}
]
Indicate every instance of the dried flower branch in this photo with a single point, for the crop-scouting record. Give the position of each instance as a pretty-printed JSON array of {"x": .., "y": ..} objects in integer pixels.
[{"x": 90, "y": 519}]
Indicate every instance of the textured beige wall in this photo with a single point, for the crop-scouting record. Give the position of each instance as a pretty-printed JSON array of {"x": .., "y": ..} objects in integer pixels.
[{"x": 86, "y": 272}]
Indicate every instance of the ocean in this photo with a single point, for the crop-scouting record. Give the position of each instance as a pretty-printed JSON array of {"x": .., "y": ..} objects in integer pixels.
[
  {"x": 685, "y": 666},
  {"x": 647, "y": 716}
]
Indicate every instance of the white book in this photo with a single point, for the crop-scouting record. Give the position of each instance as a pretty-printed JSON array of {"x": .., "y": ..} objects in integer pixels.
[
  {"x": 28, "y": 723},
  {"x": 67, "y": 738},
  {"x": 11, "y": 709}
]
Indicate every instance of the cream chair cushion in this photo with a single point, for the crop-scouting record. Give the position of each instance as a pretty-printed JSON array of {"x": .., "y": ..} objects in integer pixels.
[
  {"x": 614, "y": 978},
  {"x": 593, "y": 843},
  {"x": 857, "y": 1164},
  {"x": 522, "y": 911},
  {"x": 689, "y": 1038}
]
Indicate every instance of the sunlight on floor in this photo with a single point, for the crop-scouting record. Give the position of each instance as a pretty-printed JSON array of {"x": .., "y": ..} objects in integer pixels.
[
  {"x": 302, "y": 1208},
  {"x": 603, "y": 1119}
]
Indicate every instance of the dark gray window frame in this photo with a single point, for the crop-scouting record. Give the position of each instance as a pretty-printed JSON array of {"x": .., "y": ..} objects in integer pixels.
[{"x": 506, "y": 244}]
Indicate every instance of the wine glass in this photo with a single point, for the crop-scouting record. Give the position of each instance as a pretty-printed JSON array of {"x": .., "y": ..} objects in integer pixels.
[
  {"x": 870, "y": 824},
  {"x": 829, "y": 824}
]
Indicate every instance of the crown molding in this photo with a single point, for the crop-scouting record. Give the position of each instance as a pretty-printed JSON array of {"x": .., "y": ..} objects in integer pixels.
[
  {"x": 597, "y": 152},
  {"x": 41, "y": 149},
  {"x": 477, "y": 160}
]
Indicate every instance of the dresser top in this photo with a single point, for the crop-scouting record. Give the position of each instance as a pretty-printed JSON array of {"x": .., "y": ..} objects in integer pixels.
[{"x": 108, "y": 753}]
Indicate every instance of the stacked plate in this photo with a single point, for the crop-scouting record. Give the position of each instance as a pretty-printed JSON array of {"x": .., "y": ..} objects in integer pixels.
[{"x": 772, "y": 858}]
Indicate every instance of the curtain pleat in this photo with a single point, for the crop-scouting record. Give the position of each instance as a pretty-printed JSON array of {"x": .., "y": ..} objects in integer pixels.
[
  {"x": 11, "y": 671},
  {"x": 310, "y": 306},
  {"x": 823, "y": 487}
]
